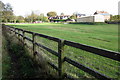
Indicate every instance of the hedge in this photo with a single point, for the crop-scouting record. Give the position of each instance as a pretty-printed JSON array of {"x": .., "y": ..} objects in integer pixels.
[
  {"x": 90, "y": 23},
  {"x": 112, "y": 22}
]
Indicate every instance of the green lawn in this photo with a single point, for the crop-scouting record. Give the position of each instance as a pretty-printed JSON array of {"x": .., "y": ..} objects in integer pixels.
[{"x": 102, "y": 36}]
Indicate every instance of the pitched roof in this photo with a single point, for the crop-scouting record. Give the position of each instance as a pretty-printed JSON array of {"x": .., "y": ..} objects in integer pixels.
[{"x": 102, "y": 13}]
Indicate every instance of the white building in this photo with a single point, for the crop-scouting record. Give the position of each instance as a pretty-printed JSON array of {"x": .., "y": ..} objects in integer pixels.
[
  {"x": 94, "y": 18},
  {"x": 104, "y": 13}
]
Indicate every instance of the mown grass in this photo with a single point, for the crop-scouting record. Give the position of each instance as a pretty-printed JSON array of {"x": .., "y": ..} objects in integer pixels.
[{"x": 102, "y": 36}]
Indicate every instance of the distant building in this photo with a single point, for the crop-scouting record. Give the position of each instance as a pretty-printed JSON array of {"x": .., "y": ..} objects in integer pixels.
[
  {"x": 99, "y": 16},
  {"x": 60, "y": 17},
  {"x": 37, "y": 22},
  {"x": 70, "y": 20},
  {"x": 104, "y": 13},
  {"x": 80, "y": 15},
  {"x": 94, "y": 18}
]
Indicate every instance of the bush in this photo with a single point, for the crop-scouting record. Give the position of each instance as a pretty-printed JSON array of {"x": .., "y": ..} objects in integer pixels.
[{"x": 112, "y": 22}]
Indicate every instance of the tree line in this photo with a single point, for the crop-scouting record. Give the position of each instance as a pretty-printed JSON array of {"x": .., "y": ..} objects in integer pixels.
[
  {"x": 8, "y": 15},
  {"x": 115, "y": 18}
]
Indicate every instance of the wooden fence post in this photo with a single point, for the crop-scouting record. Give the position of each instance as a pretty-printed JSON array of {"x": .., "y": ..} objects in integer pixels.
[
  {"x": 18, "y": 34},
  {"x": 60, "y": 59},
  {"x": 34, "y": 46},
  {"x": 23, "y": 32},
  {"x": 15, "y": 31}
]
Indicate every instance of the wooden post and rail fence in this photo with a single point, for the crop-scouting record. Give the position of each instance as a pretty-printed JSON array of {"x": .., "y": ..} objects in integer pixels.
[{"x": 60, "y": 54}]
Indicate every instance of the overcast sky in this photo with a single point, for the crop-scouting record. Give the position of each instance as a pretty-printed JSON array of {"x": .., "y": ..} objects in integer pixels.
[{"x": 24, "y": 7}]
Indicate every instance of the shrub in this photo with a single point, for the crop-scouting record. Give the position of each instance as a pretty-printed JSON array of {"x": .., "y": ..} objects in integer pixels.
[{"x": 113, "y": 22}]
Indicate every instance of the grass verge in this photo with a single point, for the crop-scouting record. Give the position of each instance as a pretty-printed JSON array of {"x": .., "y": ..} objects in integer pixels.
[{"x": 16, "y": 61}]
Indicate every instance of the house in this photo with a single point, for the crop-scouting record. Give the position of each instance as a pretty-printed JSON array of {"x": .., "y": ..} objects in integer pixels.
[
  {"x": 64, "y": 16},
  {"x": 104, "y": 13},
  {"x": 60, "y": 17},
  {"x": 94, "y": 18}
]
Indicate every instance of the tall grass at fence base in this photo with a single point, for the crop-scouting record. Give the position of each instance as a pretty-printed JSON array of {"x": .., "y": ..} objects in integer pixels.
[{"x": 18, "y": 63}]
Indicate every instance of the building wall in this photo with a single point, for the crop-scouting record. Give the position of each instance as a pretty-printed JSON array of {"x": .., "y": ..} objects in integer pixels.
[
  {"x": 95, "y": 18},
  {"x": 107, "y": 17},
  {"x": 86, "y": 19},
  {"x": 99, "y": 18}
]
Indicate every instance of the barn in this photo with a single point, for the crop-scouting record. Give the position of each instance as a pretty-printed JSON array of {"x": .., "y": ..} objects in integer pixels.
[{"x": 94, "y": 18}]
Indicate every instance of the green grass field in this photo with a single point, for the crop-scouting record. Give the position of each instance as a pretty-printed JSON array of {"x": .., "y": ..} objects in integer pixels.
[{"x": 103, "y": 36}]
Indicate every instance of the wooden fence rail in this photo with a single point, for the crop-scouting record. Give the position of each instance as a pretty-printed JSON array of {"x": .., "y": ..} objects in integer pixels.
[{"x": 60, "y": 54}]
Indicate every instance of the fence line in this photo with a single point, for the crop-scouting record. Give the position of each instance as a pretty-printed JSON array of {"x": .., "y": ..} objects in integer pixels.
[{"x": 60, "y": 54}]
